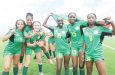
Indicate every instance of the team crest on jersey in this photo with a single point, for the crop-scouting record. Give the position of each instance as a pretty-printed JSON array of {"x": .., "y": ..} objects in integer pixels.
[
  {"x": 17, "y": 35},
  {"x": 74, "y": 34},
  {"x": 96, "y": 32},
  {"x": 63, "y": 32},
  {"x": 59, "y": 35},
  {"x": 76, "y": 28}
]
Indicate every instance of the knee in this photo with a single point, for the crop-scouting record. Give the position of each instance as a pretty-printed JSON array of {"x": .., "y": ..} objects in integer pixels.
[
  {"x": 66, "y": 65},
  {"x": 27, "y": 64},
  {"x": 75, "y": 66},
  {"x": 39, "y": 60},
  {"x": 6, "y": 68},
  {"x": 81, "y": 66}
]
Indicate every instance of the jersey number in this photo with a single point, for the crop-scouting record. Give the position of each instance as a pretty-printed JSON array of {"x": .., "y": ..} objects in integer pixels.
[
  {"x": 74, "y": 34},
  {"x": 58, "y": 35},
  {"x": 91, "y": 38}
]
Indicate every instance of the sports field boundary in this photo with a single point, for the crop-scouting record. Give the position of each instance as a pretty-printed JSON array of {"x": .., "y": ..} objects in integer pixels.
[{"x": 112, "y": 48}]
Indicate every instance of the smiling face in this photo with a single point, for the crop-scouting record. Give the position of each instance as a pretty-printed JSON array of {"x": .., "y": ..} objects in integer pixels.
[
  {"x": 20, "y": 24},
  {"x": 60, "y": 21},
  {"x": 72, "y": 18},
  {"x": 36, "y": 26},
  {"x": 91, "y": 19},
  {"x": 29, "y": 20}
]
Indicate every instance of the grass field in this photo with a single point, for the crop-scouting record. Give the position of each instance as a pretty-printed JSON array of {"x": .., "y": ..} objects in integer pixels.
[{"x": 50, "y": 69}]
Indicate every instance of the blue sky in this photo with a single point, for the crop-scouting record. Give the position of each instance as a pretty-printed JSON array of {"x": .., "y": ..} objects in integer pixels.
[{"x": 11, "y": 10}]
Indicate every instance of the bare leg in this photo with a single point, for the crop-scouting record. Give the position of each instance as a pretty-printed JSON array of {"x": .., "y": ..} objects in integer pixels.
[
  {"x": 89, "y": 66},
  {"x": 101, "y": 67}
]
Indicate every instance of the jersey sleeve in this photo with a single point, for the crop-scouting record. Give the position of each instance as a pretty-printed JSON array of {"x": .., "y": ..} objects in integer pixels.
[
  {"x": 83, "y": 23},
  {"x": 10, "y": 31},
  {"x": 25, "y": 30},
  {"x": 83, "y": 37},
  {"x": 104, "y": 29}
]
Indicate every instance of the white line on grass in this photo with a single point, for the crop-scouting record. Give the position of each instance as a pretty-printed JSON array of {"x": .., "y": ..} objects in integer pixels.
[{"x": 109, "y": 46}]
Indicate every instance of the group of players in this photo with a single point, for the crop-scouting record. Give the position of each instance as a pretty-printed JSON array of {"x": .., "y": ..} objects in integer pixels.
[{"x": 79, "y": 40}]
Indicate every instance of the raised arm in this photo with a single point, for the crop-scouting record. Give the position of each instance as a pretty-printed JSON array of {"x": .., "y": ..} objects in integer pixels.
[
  {"x": 8, "y": 35},
  {"x": 113, "y": 26},
  {"x": 46, "y": 20}
]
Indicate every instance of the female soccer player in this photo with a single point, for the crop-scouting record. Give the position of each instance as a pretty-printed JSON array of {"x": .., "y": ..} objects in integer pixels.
[
  {"x": 62, "y": 47},
  {"x": 13, "y": 48},
  {"x": 35, "y": 43},
  {"x": 76, "y": 42},
  {"x": 28, "y": 27},
  {"x": 93, "y": 36},
  {"x": 51, "y": 44}
]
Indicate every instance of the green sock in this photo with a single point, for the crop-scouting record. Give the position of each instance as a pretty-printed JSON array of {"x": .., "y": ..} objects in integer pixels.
[
  {"x": 40, "y": 67},
  {"x": 50, "y": 53},
  {"x": 57, "y": 73},
  {"x": 25, "y": 70},
  {"x": 75, "y": 72},
  {"x": 47, "y": 55},
  {"x": 5, "y": 73},
  {"x": 54, "y": 54},
  {"x": 15, "y": 70},
  {"x": 21, "y": 59},
  {"x": 66, "y": 71},
  {"x": 82, "y": 72}
]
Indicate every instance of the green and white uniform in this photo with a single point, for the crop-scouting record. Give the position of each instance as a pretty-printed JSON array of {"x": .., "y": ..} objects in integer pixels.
[
  {"x": 76, "y": 37},
  {"x": 93, "y": 40},
  {"x": 27, "y": 29},
  {"x": 62, "y": 46},
  {"x": 37, "y": 48},
  {"x": 51, "y": 39},
  {"x": 14, "y": 47}
]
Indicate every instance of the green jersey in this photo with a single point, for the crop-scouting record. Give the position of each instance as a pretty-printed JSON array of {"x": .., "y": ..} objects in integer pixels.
[
  {"x": 51, "y": 39},
  {"x": 35, "y": 37},
  {"x": 15, "y": 43},
  {"x": 93, "y": 38},
  {"x": 75, "y": 33},
  {"x": 60, "y": 38},
  {"x": 27, "y": 29}
]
